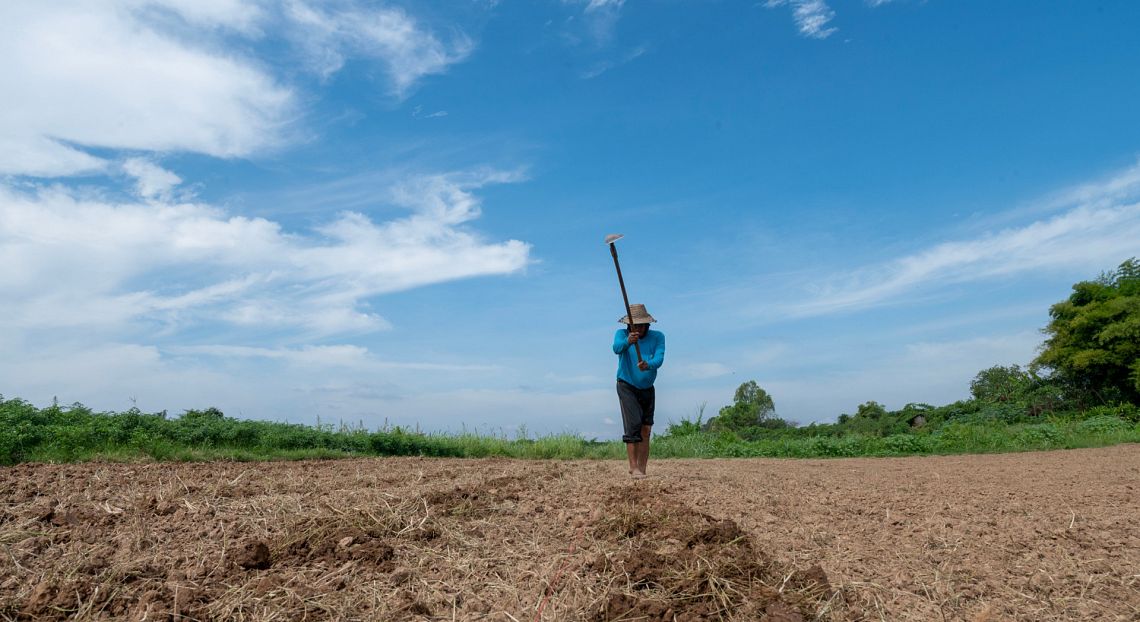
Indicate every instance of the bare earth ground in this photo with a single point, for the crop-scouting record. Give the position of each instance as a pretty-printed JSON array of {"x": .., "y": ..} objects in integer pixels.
[{"x": 1036, "y": 536}]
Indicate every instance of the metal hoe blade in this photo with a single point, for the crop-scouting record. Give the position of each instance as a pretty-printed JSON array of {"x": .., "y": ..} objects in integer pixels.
[{"x": 613, "y": 237}]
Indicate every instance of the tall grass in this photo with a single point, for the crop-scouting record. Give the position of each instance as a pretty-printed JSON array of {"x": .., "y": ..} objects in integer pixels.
[{"x": 76, "y": 433}]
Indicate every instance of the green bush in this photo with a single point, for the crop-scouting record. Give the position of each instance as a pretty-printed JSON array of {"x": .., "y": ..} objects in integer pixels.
[
  {"x": 835, "y": 447},
  {"x": 1003, "y": 412},
  {"x": 1039, "y": 436},
  {"x": 968, "y": 436},
  {"x": 908, "y": 444},
  {"x": 1103, "y": 424},
  {"x": 1125, "y": 411}
]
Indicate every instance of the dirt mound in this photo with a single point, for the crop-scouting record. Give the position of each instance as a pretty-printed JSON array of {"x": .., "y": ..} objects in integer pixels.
[{"x": 674, "y": 563}]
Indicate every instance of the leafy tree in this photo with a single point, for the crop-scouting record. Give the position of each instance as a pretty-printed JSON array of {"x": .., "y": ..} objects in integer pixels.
[
  {"x": 870, "y": 410},
  {"x": 873, "y": 419},
  {"x": 751, "y": 393},
  {"x": 210, "y": 414},
  {"x": 1001, "y": 384},
  {"x": 1093, "y": 344},
  {"x": 751, "y": 411}
]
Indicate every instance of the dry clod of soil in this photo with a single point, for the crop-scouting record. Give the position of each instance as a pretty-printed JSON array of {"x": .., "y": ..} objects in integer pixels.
[
  {"x": 254, "y": 555},
  {"x": 1045, "y": 536}
]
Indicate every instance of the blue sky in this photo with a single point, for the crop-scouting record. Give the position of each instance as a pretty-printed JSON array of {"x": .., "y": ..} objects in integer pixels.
[{"x": 386, "y": 211}]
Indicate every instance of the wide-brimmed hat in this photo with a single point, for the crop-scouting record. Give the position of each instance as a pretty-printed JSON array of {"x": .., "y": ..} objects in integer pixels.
[{"x": 640, "y": 315}]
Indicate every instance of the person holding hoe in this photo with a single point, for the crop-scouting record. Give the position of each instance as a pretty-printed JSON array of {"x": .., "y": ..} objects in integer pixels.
[{"x": 640, "y": 353}]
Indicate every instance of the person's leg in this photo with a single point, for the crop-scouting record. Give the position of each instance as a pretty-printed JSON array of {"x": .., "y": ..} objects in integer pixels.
[
  {"x": 643, "y": 449},
  {"x": 647, "y": 400},
  {"x": 634, "y": 454},
  {"x": 631, "y": 415}
]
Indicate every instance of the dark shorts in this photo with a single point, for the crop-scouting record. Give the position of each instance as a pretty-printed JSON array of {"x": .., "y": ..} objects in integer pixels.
[{"x": 636, "y": 409}]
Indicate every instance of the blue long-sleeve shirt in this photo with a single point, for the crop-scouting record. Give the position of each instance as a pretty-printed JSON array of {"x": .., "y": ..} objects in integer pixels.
[{"x": 652, "y": 352}]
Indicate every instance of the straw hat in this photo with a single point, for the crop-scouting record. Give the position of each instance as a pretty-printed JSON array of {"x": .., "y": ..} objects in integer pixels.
[{"x": 640, "y": 315}]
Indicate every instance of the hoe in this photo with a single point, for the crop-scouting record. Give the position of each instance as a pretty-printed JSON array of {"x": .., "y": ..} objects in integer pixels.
[{"x": 611, "y": 239}]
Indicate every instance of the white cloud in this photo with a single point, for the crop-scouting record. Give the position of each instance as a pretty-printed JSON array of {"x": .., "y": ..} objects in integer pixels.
[
  {"x": 88, "y": 263},
  {"x": 179, "y": 75},
  {"x": 1095, "y": 234},
  {"x": 151, "y": 180},
  {"x": 812, "y": 16},
  {"x": 97, "y": 74},
  {"x": 387, "y": 34},
  {"x": 23, "y": 152}
]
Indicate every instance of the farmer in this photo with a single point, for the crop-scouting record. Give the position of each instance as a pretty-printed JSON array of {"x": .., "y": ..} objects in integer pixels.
[{"x": 635, "y": 383}]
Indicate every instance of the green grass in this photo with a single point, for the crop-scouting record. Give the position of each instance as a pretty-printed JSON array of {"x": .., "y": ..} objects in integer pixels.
[{"x": 76, "y": 433}]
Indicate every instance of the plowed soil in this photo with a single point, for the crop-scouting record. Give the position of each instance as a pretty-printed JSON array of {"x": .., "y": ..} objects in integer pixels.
[{"x": 1036, "y": 536}]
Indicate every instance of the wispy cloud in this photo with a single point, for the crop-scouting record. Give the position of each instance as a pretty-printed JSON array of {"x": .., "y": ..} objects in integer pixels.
[
  {"x": 1099, "y": 228},
  {"x": 329, "y": 33},
  {"x": 418, "y": 113},
  {"x": 355, "y": 357},
  {"x": 600, "y": 16},
  {"x": 180, "y": 265},
  {"x": 604, "y": 66},
  {"x": 812, "y": 16}
]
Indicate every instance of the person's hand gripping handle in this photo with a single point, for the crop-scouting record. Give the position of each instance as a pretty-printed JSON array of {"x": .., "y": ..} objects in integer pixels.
[{"x": 633, "y": 338}]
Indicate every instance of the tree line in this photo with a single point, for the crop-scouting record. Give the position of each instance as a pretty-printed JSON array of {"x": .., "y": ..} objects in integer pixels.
[{"x": 1088, "y": 366}]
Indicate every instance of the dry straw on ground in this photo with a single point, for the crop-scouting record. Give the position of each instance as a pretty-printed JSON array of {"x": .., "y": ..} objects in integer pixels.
[{"x": 1049, "y": 536}]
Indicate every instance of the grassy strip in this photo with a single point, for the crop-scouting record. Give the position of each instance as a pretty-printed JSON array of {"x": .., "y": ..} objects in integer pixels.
[
  {"x": 75, "y": 433},
  {"x": 963, "y": 440}
]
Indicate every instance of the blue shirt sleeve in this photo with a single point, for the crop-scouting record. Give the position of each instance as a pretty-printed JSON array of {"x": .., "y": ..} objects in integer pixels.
[
  {"x": 658, "y": 357},
  {"x": 621, "y": 341}
]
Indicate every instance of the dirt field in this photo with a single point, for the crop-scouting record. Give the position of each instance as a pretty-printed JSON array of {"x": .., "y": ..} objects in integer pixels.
[{"x": 1042, "y": 536}]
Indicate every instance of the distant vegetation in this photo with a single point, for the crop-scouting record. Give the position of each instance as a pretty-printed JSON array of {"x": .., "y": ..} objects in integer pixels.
[{"x": 1083, "y": 390}]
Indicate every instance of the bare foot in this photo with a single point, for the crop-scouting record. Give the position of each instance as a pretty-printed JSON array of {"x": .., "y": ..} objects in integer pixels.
[{"x": 638, "y": 475}]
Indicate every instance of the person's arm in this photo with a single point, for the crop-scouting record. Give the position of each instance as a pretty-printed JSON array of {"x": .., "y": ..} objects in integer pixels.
[
  {"x": 621, "y": 341},
  {"x": 658, "y": 357}
]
